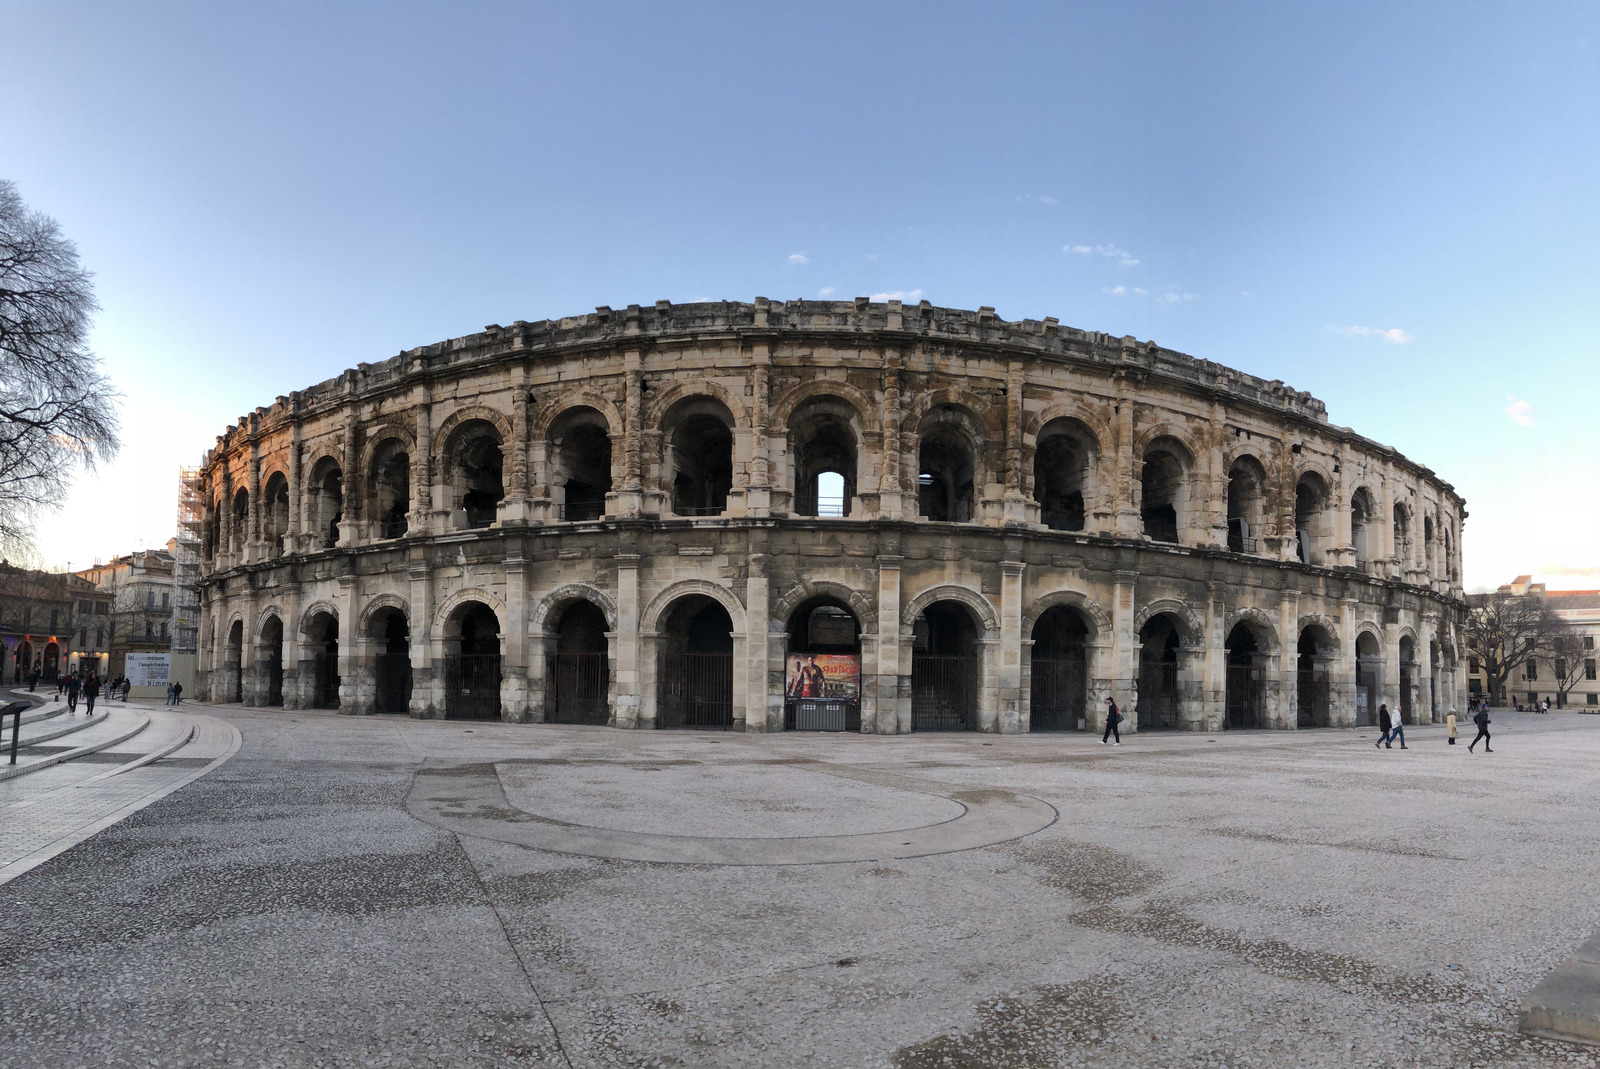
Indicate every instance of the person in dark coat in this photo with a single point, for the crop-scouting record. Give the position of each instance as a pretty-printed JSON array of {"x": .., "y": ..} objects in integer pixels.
[
  {"x": 1113, "y": 718},
  {"x": 1386, "y": 725},
  {"x": 91, "y": 690},
  {"x": 74, "y": 685},
  {"x": 1482, "y": 720}
]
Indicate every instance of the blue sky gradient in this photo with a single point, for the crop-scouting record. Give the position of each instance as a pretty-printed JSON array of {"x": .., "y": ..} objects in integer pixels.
[{"x": 1392, "y": 206}]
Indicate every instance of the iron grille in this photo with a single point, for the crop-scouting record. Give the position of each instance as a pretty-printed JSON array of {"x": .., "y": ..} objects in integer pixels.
[
  {"x": 943, "y": 692},
  {"x": 1059, "y": 695},
  {"x": 1311, "y": 693},
  {"x": 472, "y": 686},
  {"x": 695, "y": 690},
  {"x": 1157, "y": 708},
  {"x": 394, "y": 683},
  {"x": 1244, "y": 697},
  {"x": 575, "y": 688},
  {"x": 325, "y": 680}
]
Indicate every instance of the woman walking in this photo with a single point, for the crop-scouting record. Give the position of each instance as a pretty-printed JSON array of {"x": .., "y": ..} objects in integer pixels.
[{"x": 1113, "y": 718}]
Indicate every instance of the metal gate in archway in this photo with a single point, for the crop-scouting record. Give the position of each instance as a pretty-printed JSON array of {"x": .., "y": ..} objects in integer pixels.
[
  {"x": 1058, "y": 694},
  {"x": 472, "y": 686},
  {"x": 575, "y": 686},
  {"x": 325, "y": 679},
  {"x": 944, "y": 692},
  {"x": 695, "y": 690},
  {"x": 1157, "y": 707},
  {"x": 393, "y": 678},
  {"x": 1311, "y": 699},
  {"x": 1244, "y": 697}
]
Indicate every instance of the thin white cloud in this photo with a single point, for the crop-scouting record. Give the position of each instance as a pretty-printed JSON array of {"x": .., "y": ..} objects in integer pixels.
[
  {"x": 1122, "y": 256},
  {"x": 797, "y": 257},
  {"x": 1393, "y": 334},
  {"x": 1173, "y": 297},
  {"x": 1520, "y": 412},
  {"x": 1126, "y": 291},
  {"x": 897, "y": 295},
  {"x": 1048, "y": 200},
  {"x": 825, "y": 291}
]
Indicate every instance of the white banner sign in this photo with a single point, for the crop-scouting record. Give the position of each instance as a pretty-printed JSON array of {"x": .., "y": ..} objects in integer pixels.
[{"x": 149, "y": 669}]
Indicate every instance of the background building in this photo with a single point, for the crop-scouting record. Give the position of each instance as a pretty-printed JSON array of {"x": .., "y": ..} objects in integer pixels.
[
  {"x": 1566, "y": 675},
  {"x": 140, "y": 586},
  {"x": 52, "y": 621}
]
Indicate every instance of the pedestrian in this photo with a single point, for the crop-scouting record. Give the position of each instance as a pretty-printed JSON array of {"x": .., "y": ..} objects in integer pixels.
[
  {"x": 61, "y": 684},
  {"x": 1113, "y": 718},
  {"x": 1482, "y": 720},
  {"x": 74, "y": 685},
  {"x": 1399, "y": 732},
  {"x": 169, "y": 693},
  {"x": 1386, "y": 725},
  {"x": 1547, "y": 706},
  {"x": 177, "y": 693},
  {"x": 33, "y": 680},
  {"x": 91, "y": 690},
  {"x": 1450, "y": 724}
]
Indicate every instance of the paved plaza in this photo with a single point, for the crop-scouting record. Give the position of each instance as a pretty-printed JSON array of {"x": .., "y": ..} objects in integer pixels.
[{"x": 370, "y": 891}]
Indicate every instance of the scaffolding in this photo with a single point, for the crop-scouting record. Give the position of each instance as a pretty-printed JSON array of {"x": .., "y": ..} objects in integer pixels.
[{"x": 186, "y": 563}]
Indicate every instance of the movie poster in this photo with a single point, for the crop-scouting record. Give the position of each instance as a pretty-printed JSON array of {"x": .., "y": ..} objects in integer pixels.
[{"x": 822, "y": 675}]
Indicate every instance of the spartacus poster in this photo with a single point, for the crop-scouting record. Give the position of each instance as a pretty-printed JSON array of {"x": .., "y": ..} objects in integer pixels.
[{"x": 823, "y": 675}]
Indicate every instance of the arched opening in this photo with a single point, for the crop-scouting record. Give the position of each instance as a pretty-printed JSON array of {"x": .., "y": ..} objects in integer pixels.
[
  {"x": 1246, "y": 690},
  {"x": 700, "y": 455},
  {"x": 275, "y": 511},
  {"x": 1060, "y": 475},
  {"x": 391, "y": 488},
  {"x": 1408, "y": 679},
  {"x": 577, "y": 671},
  {"x": 241, "y": 521},
  {"x": 327, "y": 501},
  {"x": 1310, "y": 518},
  {"x": 1427, "y": 545},
  {"x": 1433, "y": 682},
  {"x": 694, "y": 686},
  {"x": 1402, "y": 535},
  {"x": 211, "y": 534},
  {"x": 822, "y": 668},
  {"x": 1159, "y": 643},
  {"x": 1246, "y": 485},
  {"x": 946, "y": 468},
  {"x": 322, "y": 642},
  {"x": 234, "y": 661},
  {"x": 269, "y": 661},
  {"x": 824, "y": 458},
  {"x": 1360, "y": 520},
  {"x": 24, "y": 660},
  {"x": 944, "y": 669},
  {"x": 475, "y": 465},
  {"x": 392, "y": 667},
  {"x": 51, "y": 667},
  {"x": 1314, "y": 659},
  {"x": 1161, "y": 491},
  {"x": 472, "y": 663},
  {"x": 1059, "y": 675},
  {"x": 1369, "y": 678},
  {"x": 580, "y": 448}
]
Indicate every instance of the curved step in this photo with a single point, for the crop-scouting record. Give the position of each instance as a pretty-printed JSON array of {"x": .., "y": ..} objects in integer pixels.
[
  {"x": 43, "y": 712},
  {"x": 13, "y": 771},
  {"x": 69, "y": 728},
  {"x": 148, "y": 759}
]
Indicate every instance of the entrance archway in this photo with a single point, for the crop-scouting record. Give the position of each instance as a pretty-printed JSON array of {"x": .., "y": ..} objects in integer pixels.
[
  {"x": 1408, "y": 677},
  {"x": 1313, "y": 708},
  {"x": 52, "y": 662},
  {"x": 269, "y": 659},
  {"x": 822, "y": 668},
  {"x": 1369, "y": 678},
  {"x": 234, "y": 661},
  {"x": 392, "y": 666},
  {"x": 1059, "y": 687},
  {"x": 472, "y": 663},
  {"x": 944, "y": 669},
  {"x": 1245, "y": 698},
  {"x": 1160, "y": 642},
  {"x": 577, "y": 672},
  {"x": 694, "y": 687},
  {"x": 322, "y": 644}
]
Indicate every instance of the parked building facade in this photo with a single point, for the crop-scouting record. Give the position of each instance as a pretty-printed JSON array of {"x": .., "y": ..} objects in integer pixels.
[
  {"x": 140, "y": 586},
  {"x": 858, "y": 515},
  {"x": 52, "y": 623},
  {"x": 1568, "y": 677}
]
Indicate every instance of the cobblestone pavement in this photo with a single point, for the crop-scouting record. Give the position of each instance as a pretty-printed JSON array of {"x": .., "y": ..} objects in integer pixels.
[{"x": 1248, "y": 899}]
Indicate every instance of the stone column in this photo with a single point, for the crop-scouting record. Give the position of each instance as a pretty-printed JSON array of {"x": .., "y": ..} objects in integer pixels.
[
  {"x": 1011, "y": 720},
  {"x": 349, "y": 656},
  {"x": 295, "y": 542},
  {"x": 426, "y": 674},
  {"x": 516, "y": 668},
  {"x": 253, "y": 538},
  {"x": 422, "y": 472},
  {"x": 1391, "y": 656},
  {"x": 890, "y": 504},
  {"x": 1214, "y": 664},
  {"x": 515, "y": 508},
  {"x": 763, "y": 706},
  {"x": 1289, "y": 660},
  {"x": 627, "y": 680},
  {"x": 1015, "y": 502},
  {"x": 1127, "y": 523},
  {"x": 1122, "y": 673},
  {"x": 758, "y": 494},
  {"x": 893, "y": 683},
  {"x": 1388, "y": 552},
  {"x": 1216, "y": 517},
  {"x": 630, "y": 499},
  {"x": 353, "y": 513}
]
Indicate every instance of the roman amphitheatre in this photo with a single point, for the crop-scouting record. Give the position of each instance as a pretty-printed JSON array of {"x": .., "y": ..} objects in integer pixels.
[{"x": 823, "y": 515}]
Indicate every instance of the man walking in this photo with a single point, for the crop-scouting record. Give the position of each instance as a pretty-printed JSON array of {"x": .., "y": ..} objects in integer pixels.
[
  {"x": 1399, "y": 732},
  {"x": 91, "y": 690},
  {"x": 1113, "y": 718},
  {"x": 1482, "y": 720},
  {"x": 177, "y": 693},
  {"x": 74, "y": 685},
  {"x": 1386, "y": 725}
]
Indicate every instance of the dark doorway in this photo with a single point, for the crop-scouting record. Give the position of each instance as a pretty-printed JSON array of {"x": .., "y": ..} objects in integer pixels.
[
  {"x": 944, "y": 669},
  {"x": 1157, "y": 708},
  {"x": 702, "y": 465},
  {"x": 1059, "y": 689},
  {"x": 946, "y": 474},
  {"x": 391, "y": 488},
  {"x": 323, "y": 640},
  {"x": 271, "y": 660},
  {"x": 694, "y": 687},
  {"x": 235, "y": 662},
  {"x": 1313, "y": 709},
  {"x": 1245, "y": 698},
  {"x": 1408, "y": 676},
  {"x": 577, "y": 673},
  {"x": 1369, "y": 679},
  {"x": 1060, "y": 465},
  {"x": 392, "y": 667},
  {"x": 472, "y": 673},
  {"x": 476, "y": 474},
  {"x": 821, "y": 692},
  {"x": 1160, "y": 484}
]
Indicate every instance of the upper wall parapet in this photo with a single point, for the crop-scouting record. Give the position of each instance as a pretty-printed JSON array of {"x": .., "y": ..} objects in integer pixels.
[{"x": 875, "y": 323}]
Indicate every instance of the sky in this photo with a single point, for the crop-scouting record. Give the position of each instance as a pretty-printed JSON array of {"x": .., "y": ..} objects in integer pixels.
[{"x": 1394, "y": 206}]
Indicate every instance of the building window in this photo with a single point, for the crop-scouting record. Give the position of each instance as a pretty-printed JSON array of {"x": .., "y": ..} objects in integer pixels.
[
  {"x": 164, "y": 602},
  {"x": 163, "y": 632},
  {"x": 1561, "y": 669},
  {"x": 149, "y": 630},
  {"x": 1588, "y": 668},
  {"x": 1588, "y": 642},
  {"x": 150, "y": 599},
  {"x": 1594, "y": 699},
  {"x": 99, "y": 638},
  {"x": 1533, "y": 697},
  {"x": 1531, "y": 670},
  {"x": 1472, "y": 664}
]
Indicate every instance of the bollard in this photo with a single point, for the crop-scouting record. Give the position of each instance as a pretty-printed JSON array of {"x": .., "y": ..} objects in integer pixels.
[{"x": 15, "y": 709}]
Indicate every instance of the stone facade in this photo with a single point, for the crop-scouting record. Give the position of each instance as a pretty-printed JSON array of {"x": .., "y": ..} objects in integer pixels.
[{"x": 606, "y": 517}]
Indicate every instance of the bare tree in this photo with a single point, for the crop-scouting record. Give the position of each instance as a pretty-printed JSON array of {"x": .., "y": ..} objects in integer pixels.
[
  {"x": 57, "y": 409},
  {"x": 1505, "y": 629}
]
